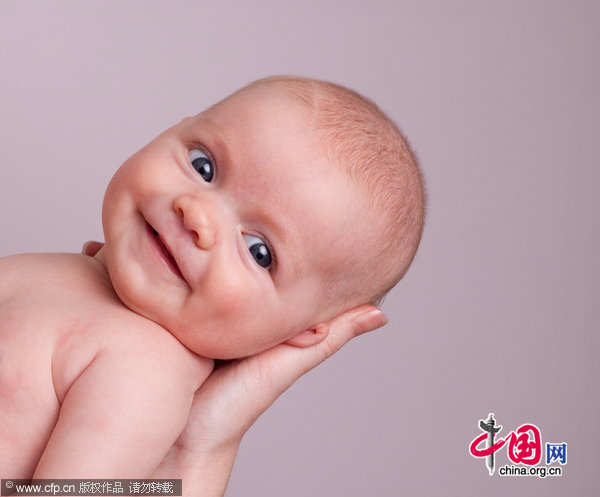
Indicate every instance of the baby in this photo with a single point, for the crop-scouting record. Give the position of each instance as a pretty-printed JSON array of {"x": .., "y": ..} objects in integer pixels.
[{"x": 249, "y": 225}]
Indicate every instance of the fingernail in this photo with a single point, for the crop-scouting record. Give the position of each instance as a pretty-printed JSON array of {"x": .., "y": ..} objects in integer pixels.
[{"x": 369, "y": 321}]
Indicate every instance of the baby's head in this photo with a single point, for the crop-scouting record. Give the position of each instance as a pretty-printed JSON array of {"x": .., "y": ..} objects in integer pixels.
[{"x": 269, "y": 213}]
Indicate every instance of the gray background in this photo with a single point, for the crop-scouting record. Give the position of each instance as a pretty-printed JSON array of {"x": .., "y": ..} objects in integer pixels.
[{"x": 499, "y": 312}]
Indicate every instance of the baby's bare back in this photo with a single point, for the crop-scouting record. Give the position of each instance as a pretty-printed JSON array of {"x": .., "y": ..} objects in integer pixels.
[{"x": 62, "y": 325}]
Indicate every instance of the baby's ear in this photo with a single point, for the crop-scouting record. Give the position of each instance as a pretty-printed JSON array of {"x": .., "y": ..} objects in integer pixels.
[{"x": 310, "y": 337}]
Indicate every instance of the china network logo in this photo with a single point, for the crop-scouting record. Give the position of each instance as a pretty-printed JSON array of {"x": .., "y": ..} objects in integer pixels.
[{"x": 524, "y": 448}]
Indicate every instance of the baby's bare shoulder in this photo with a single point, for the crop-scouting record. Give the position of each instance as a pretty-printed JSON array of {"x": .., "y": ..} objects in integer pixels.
[
  {"x": 60, "y": 319},
  {"x": 68, "y": 302},
  {"x": 137, "y": 342},
  {"x": 55, "y": 271}
]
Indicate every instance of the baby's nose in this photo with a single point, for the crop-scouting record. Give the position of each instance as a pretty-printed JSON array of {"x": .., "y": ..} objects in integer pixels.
[{"x": 197, "y": 219}]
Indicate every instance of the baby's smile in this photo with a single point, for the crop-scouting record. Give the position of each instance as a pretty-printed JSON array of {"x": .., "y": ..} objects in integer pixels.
[
  {"x": 225, "y": 233},
  {"x": 163, "y": 253},
  {"x": 252, "y": 224}
]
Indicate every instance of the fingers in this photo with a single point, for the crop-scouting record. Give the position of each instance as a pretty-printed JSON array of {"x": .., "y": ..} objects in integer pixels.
[
  {"x": 352, "y": 323},
  {"x": 239, "y": 391},
  {"x": 369, "y": 321},
  {"x": 276, "y": 369},
  {"x": 91, "y": 248},
  {"x": 342, "y": 329}
]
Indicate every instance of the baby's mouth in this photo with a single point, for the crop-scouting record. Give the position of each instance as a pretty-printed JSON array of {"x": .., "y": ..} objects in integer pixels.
[{"x": 164, "y": 252}]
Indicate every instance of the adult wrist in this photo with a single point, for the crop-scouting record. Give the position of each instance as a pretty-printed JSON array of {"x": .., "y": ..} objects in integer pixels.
[{"x": 203, "y": 473}]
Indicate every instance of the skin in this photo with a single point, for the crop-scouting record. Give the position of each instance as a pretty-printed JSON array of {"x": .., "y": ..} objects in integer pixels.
[
  {"x": 224, "y": 305},
  {"x": 214, "y": 301},
  {"x": 238, "y": 392}
]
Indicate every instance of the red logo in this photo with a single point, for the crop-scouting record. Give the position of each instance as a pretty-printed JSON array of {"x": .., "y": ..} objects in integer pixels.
[{"x": 524, "y": 444}]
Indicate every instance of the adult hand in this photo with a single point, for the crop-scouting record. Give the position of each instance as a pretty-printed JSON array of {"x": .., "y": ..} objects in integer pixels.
[{"x": 237, "y": 392}]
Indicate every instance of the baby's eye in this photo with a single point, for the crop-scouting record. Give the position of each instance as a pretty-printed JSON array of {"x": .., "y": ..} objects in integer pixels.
[
  {"x": 202, "y": 164},
  {"x": 259, "y": 250}
]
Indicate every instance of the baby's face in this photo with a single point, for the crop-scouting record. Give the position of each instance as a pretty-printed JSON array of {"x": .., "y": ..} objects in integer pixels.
[{"x": 224, "y": 228}]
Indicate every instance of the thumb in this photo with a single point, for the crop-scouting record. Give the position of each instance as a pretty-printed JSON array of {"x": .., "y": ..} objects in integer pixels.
[
  {"x": 282, "y": 365},
  {"x": 350, "y": 324},
  {"x": 91, "y": 248}
]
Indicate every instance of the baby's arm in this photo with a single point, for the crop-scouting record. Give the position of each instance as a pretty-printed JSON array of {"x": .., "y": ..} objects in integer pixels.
[{"x": 121, "y": 415}]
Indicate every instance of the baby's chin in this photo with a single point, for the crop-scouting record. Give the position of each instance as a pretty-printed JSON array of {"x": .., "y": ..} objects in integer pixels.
[
  {"x": 125, "y": 291},
  {"x": 215, "y": 343}
]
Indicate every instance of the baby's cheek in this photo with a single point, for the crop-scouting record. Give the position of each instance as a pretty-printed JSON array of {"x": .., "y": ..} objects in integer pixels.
[
  {"x": 248, "y": 314},
  {"x": 236, "y": 303},
  {"x": 233, "y": 291}
]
